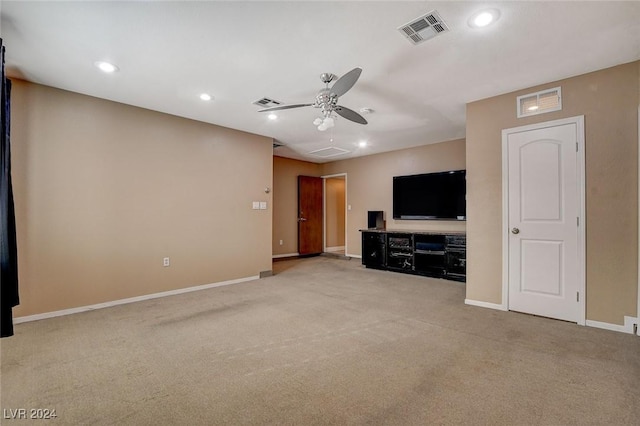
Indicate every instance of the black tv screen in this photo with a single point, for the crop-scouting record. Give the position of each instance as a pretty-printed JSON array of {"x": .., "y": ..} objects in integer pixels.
[{"x": 430, "y": 196}]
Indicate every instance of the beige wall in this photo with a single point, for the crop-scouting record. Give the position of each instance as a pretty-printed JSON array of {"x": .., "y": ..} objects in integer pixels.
[
  {"x": 607, "y": 100},
  {"x": 285, "y": 202},
  {"x": 370, "y": 185},
  {"x": 335, "y": 211},
  {"x": 104, "y": 191}
]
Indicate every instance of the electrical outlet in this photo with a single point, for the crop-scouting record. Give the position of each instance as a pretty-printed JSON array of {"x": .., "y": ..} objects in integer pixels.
[
  {"x": 165, "y": 261},
  {"x": 281, "y": 242}
]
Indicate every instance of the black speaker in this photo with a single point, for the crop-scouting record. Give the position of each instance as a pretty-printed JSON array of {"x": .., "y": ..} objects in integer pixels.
[{"x": 375, "y": 219}]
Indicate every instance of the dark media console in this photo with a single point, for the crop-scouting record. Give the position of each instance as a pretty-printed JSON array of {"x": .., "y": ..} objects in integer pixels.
[{"x": 440, "y": 255}]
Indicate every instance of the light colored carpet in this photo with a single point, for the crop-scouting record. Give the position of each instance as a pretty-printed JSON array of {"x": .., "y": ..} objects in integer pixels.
[{"x": 323, "y": 341}]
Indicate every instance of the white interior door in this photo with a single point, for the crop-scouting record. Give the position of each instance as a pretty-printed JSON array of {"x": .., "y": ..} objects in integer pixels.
[{"x": 545, "y": 261}]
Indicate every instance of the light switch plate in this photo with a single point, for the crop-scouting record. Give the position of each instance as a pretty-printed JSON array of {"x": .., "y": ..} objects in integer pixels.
[
  {"x": 256, "y": 205},
  {"x": 263, "y": 205}
]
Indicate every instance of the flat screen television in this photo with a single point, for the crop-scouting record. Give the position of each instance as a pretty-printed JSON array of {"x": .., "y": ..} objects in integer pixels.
[{"x": 430, "y": 196}]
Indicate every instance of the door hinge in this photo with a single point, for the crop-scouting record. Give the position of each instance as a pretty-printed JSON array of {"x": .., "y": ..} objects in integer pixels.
[
  {"x": 578, "y": 221},
  {"x": 577, "y": 296},
  {"x": 577, "y": 146}
]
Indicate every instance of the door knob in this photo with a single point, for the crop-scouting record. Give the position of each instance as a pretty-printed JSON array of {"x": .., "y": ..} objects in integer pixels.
[{"x": 515, "y": 231}]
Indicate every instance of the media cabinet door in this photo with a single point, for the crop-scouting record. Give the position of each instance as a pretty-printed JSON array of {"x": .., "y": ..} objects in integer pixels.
[{"x": 374, "y": 250}]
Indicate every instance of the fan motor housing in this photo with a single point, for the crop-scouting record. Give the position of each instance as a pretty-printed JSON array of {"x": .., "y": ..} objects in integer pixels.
[{"x": 326, "y": 100}]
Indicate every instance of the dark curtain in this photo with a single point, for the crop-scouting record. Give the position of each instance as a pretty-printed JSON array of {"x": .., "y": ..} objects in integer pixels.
[{"x": 8, "y": 247}]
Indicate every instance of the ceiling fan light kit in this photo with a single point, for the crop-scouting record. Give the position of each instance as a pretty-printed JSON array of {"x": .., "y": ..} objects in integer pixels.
[
  {"x": 327, "y": 100},
  {"x": 324, "y": 123}
]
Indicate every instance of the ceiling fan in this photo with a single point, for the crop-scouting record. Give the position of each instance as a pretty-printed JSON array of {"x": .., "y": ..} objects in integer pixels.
[{"x": 327, "y": 100}]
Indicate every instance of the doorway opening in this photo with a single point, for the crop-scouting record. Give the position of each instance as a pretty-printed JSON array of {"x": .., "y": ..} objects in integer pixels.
[{"x": 335, "y": 214}]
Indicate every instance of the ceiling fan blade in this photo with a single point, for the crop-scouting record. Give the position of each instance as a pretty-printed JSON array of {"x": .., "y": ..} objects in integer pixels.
[
  {"x": 346, "y": 82},
  {"x": 279, "y": 107},
  {"x": 349, "y": 114}
]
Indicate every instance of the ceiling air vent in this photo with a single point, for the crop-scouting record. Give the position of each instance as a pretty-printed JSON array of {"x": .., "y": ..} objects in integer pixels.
[
  {"x": 424, "y": 28},
  {"x": 332, "y": 151},
  {"x": 266, "y": 103}
]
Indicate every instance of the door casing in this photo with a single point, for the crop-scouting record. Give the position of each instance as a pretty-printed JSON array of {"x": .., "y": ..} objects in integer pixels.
[{"x": 579, "y": 122}]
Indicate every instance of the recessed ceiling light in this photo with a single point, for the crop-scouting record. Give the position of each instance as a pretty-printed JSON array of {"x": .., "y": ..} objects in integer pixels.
[
  {"x": 272, "y": 116},
  {"x": 362, "y": 144},
  {"x": 106, "y": 66},
  {"x": 205, "y": 97},
  {"x": 484, "y": 18}
]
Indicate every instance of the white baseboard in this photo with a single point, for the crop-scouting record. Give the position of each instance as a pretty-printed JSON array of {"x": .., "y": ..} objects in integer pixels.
[
  {"x": 631, "y": 324},
  {"x": 357, "y": 256},
  {"x": 278, "y": 256},
  {"x": 335, "y": 248},
  {"x": 481, "y": 304},
  {"x": 63, "y": 312},
  {"x": 628, "y": 326}
]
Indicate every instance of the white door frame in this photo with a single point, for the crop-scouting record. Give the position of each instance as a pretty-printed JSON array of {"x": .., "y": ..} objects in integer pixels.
[
  {"x": 579, "y": 122},
  {"x": 324, "y": 211}
]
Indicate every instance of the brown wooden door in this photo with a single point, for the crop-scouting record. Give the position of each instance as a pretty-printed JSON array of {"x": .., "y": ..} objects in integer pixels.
[{"x": 309, "y": 215}]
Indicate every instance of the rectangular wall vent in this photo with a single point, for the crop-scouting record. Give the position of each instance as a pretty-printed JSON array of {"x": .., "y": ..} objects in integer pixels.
[
  {"x": 266, "y": 103},
  {"x": 540, "y": 102},
  {"x": 424, "y": 28}
]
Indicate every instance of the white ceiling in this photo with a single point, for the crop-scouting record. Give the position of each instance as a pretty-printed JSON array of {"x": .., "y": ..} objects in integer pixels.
[{"x": 238, "y": 51}]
